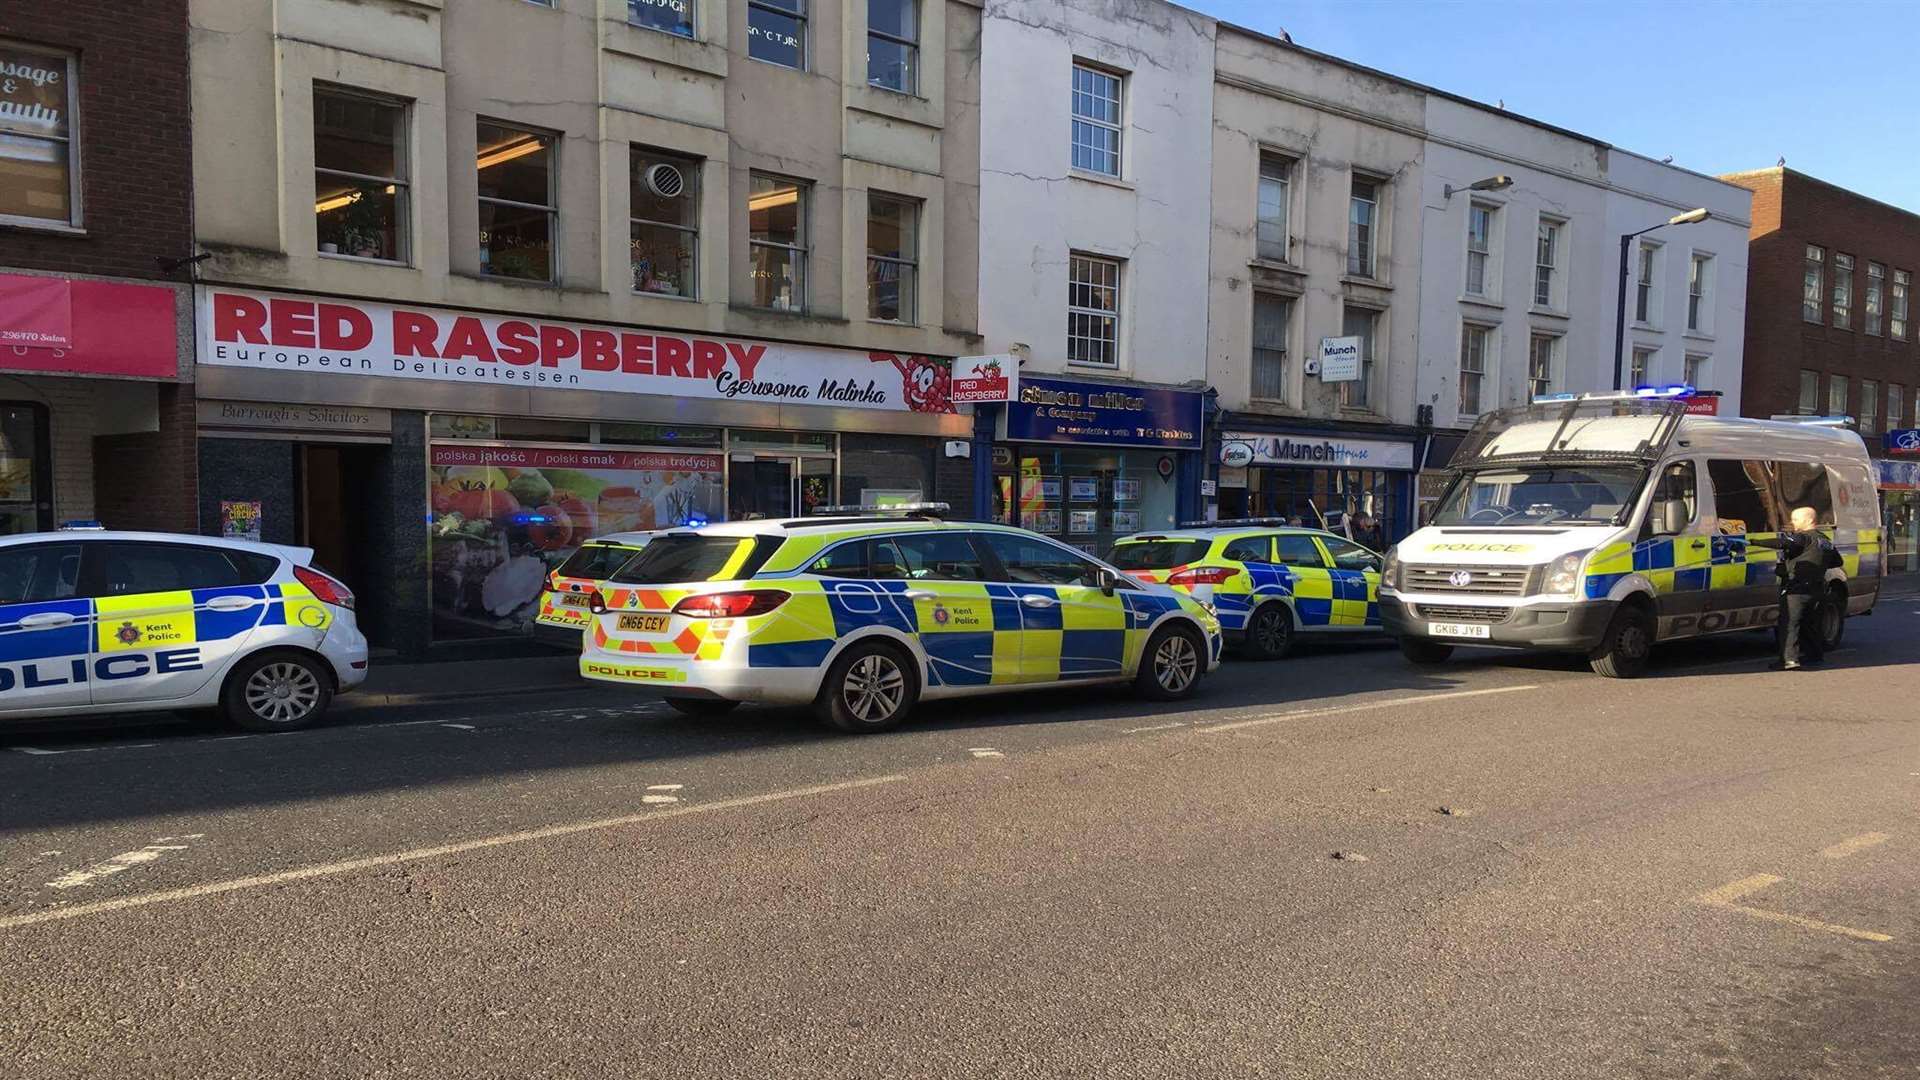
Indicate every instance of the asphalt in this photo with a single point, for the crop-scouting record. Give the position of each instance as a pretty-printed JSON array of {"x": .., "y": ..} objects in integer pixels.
[{"x": 1329, "y": 866}]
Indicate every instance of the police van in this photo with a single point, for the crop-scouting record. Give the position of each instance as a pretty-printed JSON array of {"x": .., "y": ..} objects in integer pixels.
[
  {"x": 1605, "y": 523},
  {"x": 563, "y": 610},
  {"x": 863, "y": 612},
  {"x": 97, "y": 621}
]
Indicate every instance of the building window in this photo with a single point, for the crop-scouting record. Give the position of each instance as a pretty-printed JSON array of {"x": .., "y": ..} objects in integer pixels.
[
  {"x": 1897, "y": 317},
  {"x": 1809, "y": 402},
  {"x": 1546, "y": 264},
  {"x": 777, "y": 241},
  {"x": 1271, "y": 316},
  {"x": 1540, "y": 364},
  {"x": 1876, "y": 288},
  {"x": 1093, "y": 310},
  {"x": 1276, "y": 186},
  {"x": 671, "y": 16},
  {"x": 1843, "y": 290},
  {"x": 1641, "y": 364},
  {"x": 1896, "y": 401},
  {"x": 1096, "y": 121},
  {"x": 359, "y": 175},
  {"x": 1810, "y": 291},
  {"x": 1359, "y": 322},
  {"x": 777, "y": 32},
  {"x": 1479, "y": 248},
  {"x": 663, "y": 233},
  {"x": 1474, "y": 344},
  {"x": 1836, "y": 395},
  {"x": 1362, "y": 209},
  {"x": 518, "y": 211},
  {"x": 39, "y": 163},
  {"x": 1643, "y": 285},
  {"x": 893, "y": 258},
  {"x": 1869, "y": 403},
  {"x": 1695, "y": 374},
  {"x": 1698, "y": 270},
  {"x": 893, "y": 45}
]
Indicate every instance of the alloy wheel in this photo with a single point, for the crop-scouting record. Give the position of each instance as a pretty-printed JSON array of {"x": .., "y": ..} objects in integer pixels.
[
  {"x": 282, "y": 692},
  {"x": 874, "y": 688},
  {"x": 1175, "y": 663}
]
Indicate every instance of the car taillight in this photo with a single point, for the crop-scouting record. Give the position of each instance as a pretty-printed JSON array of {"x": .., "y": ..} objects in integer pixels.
[
  {"x": 596, "y": 603},
  {"x": 730, "y": 605},
  {"x": 324, "y": 589},
  {"x": 1202, "y": 575}
]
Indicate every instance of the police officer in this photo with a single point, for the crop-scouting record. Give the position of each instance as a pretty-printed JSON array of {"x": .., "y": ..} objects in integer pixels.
[{"x": 1805, "y": 558}]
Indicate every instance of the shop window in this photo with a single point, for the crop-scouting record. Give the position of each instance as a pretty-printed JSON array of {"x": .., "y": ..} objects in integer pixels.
[
  {"x": 893, "y": 45},
  {"x": 1087, "y": 498},
  {"x": 885, "y": 474},
  {"x": 777, "y": 32},
  {"x": 1297, "y": 549},
  {"x": 667, "y": 16},
  {"x": 663, "y": 232},
  {"x": 893, "y": 252},
  {"x": 777, "y": 240},
  {"x": 33, "y": 573},
  {"x": 933, "y": 556},
  {"x": 26, "y": 473},
  {"x": 39, "y": 171},
  {"x": 1803, "y": 484},
  {"x": 359, "y": 175},
  {"x": 519, "y": 211},
  {"x": 1035, "y": 562},
  {"x": 1743, "y": 496}
]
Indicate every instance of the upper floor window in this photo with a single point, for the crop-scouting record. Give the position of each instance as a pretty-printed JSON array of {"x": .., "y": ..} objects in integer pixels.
[
  {"x": 1096, "y": 120},
  {"x": 1271, "y": 314},
  {"x": 1475, "y": 343},
  {"x": 1876, "y": 296},
  {"x": 1810, "y": 290},
  {"x": 1699, "y": 270},
  {"x": 1093, "y": 310},
  {"x": 39, "y": 164},
  {"x": 663, "y": 228},
  {"x": 1648, "y": 264},
  {"x": 1546, "y": 264},
  {"x": 777, "y": 32},
  {"x": 1359, "y": 322},
  {"x": 1695, "y": 373},
  {"x": 1642, "y": 367},
  {"x": 1270, "y": 226},
  {"x": 893, "y": 45},
  {"x": 1836, "y": 395},
  {"x": 1869, "y": 403},
  {"x": 1541, "y": 350},
  {"x": 777, "y": 241},
  {"x": 1843, "y": 290},
  {"x": 670, "y": 16},
  {"x": 1479, "y": 249},
  {"x": 1809, "y": 402},
  {"x": 1363, "y": 206},
  {"x": 1896, "y": 401},
  {"x": 893, "y": 257},
  {"x": 1897, "y": 311},
  {"x": 519, "y": 211},
  {"x": 359, "y": 175}
]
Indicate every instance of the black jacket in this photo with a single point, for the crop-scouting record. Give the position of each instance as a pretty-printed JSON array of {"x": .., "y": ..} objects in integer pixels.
[{"x": 1805, "y": 559}]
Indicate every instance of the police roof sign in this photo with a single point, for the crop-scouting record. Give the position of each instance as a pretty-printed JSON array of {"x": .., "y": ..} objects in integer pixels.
[{"x": 1339, "y": 359}]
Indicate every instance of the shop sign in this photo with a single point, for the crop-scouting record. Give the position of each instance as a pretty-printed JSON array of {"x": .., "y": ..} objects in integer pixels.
[
  {"x": 33, "y": 95},
  {"x": 985, "y": 378},
  {"x": 1898, "y": 475},
  {"x": 1250, "y": 448},
  {"x": 272, "y": 332},
  {"x": 1058, "y": 410},
  {"x": 1903, "y": 441},
  {"x": 1702, "y": 404},
  {"x": 36, "y": 312},
  {"x": 64, "y": 326},
  {"x": 294, "y": 418},
  {"x": 1340, "y": 359}
]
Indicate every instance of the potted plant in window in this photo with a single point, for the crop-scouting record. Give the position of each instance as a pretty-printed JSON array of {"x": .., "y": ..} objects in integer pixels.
[{"x": 363, "y": 224}]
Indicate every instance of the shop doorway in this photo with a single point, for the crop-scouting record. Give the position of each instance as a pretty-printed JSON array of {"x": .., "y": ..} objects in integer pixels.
[
  {"x": 333, "y": 508},
  {"x": 761, "y": 486}
]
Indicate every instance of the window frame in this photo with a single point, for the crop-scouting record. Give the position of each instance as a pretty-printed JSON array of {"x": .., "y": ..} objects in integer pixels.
[
  {"x": 1646, "y": 278},
  {"x": 1118, "y": 284},
  {"x": 1117, "y": 127},
  {"x": 1640, "y": 361},
  {"x": 1367, "y": 267},
  {"x": 1485, "y": 334},
  {"x": 1699, "y": 287},
  {"x": 1899, "y": 303},
  {"x": 1550, "y": 231},
  {"x": 910, "y": 309},
  {"x": 76, "y": 209},
  {"x": 402, "y": 160},
  {"x": 1869, "y": 404},
  {"x": 1691, "y": 367},
  {"x": 692, "y": 168},
  {"x": 693, "y": 19},
  {"x": 1487, "y": 289},
  {"x": 1256, "y": 349},
  {"x": 552, "y": 209},
  {"x": 1837, "y": 406},
  {"x": 1537, "y": 386},
  {"x": 912, "y": 46},
  {"x": 1896, "y": 405},
  {"x": 1842, "y": 291},
  {"x": 1284, "y": 181},
  {"x": 1813, "y": 285},
  {"x": 1873, "y": 304},
  {"x": 802, "y": 252},
  {"x": 1367, "y": 359},
  {"x": 1808, "y": 402},
  {"x": 800, "y": 14}
]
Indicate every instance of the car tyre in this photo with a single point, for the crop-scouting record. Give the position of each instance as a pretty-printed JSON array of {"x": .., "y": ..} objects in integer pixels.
[
  {"x": 1171, "y": 664},
  {"x": 871, "y": 687},
  {"x": 1833, "y": 619},
  {"x": 1270, "y": 632},
  {"x": 1425, "y": 652},
  {"x": 276, "y": 691},
  {"x": 701, "y": 707},
  {"x": 1623, "y": 652}
]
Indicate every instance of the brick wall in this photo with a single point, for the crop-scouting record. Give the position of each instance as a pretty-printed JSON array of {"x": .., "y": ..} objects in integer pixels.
[{"x": 151, "y": 480}]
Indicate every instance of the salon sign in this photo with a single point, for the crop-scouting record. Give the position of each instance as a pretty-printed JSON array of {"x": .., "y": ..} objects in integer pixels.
[{"x": 327, "y": 336}]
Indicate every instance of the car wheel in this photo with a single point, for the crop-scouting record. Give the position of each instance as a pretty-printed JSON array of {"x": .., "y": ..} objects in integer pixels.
[
  {"x": 276, "y": 691},
  {"x": 1425, "y": 652},
  {"x": 1171, "y": 665},
  {"x": 1270, "y": 632},
  {"x": 693, "y": 706},
  {"x": 1623, "y": 652},
  {"x": 871, "y": 687},
  {"x": 1833, "y": 620}
]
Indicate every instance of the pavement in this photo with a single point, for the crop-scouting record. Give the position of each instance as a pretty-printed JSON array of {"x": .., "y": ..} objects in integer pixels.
[{"x": 1330, "y": 866}]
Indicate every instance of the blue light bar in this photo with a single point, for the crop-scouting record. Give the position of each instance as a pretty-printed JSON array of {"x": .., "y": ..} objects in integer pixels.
[
  {"x": 1545, "y": 398},
  {"x": 1671, "y": 390}
]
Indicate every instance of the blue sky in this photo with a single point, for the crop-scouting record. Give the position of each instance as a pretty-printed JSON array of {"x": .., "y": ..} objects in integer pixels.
[{"x": 1735, "y": 84}]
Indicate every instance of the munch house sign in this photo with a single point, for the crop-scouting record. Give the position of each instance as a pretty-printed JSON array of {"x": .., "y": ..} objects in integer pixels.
[{"x": 240, "y": 328}]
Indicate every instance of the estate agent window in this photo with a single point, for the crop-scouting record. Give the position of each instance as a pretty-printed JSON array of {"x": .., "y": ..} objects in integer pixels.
[
  {"x": 663, "y": 237},
  {"x": 893, "y": 231},
  {"x": 668, "y": 16},
  {"x": 518, "y": 201},
  {"x": 777, "y": 242},
  {"x": 359, "y": 175},
  {"x": 39, "y": 163},
  {"x": 893, "y": 45},
  {"x": 777, "y": 32}
]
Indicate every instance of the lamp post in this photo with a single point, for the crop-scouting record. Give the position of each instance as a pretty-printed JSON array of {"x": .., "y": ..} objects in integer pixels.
[
  {"x": 1492, "y": 183},
  {"x": 1697, "y": 214}
]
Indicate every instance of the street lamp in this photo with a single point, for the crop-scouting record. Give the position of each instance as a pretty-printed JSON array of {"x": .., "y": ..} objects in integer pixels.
[
  {"x": 1693, "y": 216},
  {"x": 1491, "y": 183}
]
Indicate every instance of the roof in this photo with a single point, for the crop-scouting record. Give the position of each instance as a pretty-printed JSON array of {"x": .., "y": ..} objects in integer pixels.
[{"x": 1783, "y": 172}]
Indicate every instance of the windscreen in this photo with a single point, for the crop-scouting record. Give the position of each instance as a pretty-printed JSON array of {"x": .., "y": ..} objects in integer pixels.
[
  {"x": 1541, "y": 495},
  {"x": 1157, "y": 554},
  {"x": 671, "y": 559},
  {"x": 596, "y": 562}
]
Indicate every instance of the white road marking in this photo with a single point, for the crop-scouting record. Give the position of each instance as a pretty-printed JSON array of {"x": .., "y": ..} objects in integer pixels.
[
  {"x": 9, "y": 922},
  {"x": 1303, "y": 714},
  {"x": 665, "y": 787},
  {"x": 1852, "y": 844},
  {"x": 462, "y": 727},
  {"x": 655, "y": 800},
  {"x": 82, "y": 749},
  {"x": 1154, "y": 727},
  {"x": 126, "y": 860},
  {"x": 984, "y": 752}
]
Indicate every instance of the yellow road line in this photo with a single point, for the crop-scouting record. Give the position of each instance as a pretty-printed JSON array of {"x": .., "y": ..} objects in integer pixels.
[
  {"x": 1858, "y": 843},
  {"x": 1725, "y": 895},
  {"x": 1304, "y": 714}
]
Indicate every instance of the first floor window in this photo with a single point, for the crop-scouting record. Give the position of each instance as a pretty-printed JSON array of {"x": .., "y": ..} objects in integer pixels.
[
  {"x": 1093, "y": 310},
  {"x": 669, "y": 16},
  {"x": 1642, "y": 363},
  {"x": 1809, "y": 402},
  {"x": 359, "y": 175},
  {"x": 1271, "y": 314},
  {"x": 777, "y": 241},
  {"x": 1479, "y": 248},
  {"x": 1696, "y": 371},
  {"x": 1842, "y": 290},
  {"x": 1540, "y": 357},
  {"x": 1547, "y": 264},
  {"x": 519, "y": 209},
  {"x": 1697, "y": 270},
  {"x": 39, "y": 182},
  {"x": 1643, "y": 286},
  {"x": 1270, "y": 227},
  {"x": 1897, "y": 318},
  {"x": 1359, "y": 322},
  {"x": 1869, "y": 403},
  {"x": 1096, "y": 121},
  {"x": 777, "y": 32},
  {"x": 1896, "y": 401},
  {"x": 1474, "y": 344},
  {"x": 893, "y": 237},
  {"x": 1837, "y": 395},
  {"x": 663, "y": 234},
  {"x": 1876, "y": 288},
  {"x": 893, "y": 45},
  {"x": 1363, "y": 206},
  {"x": 1810, "y": 292}
]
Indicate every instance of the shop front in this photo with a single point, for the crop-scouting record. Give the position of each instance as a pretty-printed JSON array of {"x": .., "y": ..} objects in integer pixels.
[
  {"x": 504, "y": 442},
  {"x": 1899, "y": 513},
  {"x": 1088, "y": 462},
  {"x": 1320, "y": 478}
]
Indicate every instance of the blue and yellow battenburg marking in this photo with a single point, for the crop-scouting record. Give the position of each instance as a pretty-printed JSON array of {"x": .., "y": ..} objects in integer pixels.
[
  {"x": 147, "y": 621},
  {"x": 1679, "y": 564},
  {"x": 1320, "y": 596}
]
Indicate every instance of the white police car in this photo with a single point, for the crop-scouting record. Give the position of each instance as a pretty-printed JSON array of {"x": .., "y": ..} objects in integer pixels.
[{"x": 97, "y": 621}]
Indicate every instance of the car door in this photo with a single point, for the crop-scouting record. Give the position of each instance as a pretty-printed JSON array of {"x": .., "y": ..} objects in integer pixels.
[
  {"x": 169, "y": 617},
  {"x": 1356, "y": 583},
  {"x": 971, "y": 637},
  {"x": 1070, "y": 627},
  {"x": 1308, "y": 578},
  {"x": 1259, "y": 578},
  {"x": 45, "y": 628}
]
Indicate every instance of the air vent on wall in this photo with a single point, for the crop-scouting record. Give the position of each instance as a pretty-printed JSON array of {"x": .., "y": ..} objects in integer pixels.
[{"x": 665, "y": 180}]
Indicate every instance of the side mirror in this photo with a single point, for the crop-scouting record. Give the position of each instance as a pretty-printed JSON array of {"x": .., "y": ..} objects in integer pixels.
[
  {"x": 1108, "y": 579},
  {"x": 1673, "y": 517}
]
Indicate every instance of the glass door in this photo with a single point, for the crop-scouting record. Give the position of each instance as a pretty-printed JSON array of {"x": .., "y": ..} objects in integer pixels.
[
  {"x": 26, "y": 501},
  {"x": 761, "y": 486}
]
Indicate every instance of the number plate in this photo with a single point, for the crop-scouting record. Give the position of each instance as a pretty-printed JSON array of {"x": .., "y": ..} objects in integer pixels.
[
  {"x": 645, "y": 624},
  {"x": 1458, "y": 629},
  {"x": 570, "y": 600}
]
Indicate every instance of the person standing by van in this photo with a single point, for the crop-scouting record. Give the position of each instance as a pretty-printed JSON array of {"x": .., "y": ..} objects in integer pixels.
[{"x": 1805, "y": 558}]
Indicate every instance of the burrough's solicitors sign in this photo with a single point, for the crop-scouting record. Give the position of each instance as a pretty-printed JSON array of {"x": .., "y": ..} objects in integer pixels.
[{"x": 240, "y": 328}]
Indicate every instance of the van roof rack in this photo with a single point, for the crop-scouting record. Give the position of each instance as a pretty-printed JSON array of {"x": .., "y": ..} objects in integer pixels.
[{"x": 1815, "y": 421}]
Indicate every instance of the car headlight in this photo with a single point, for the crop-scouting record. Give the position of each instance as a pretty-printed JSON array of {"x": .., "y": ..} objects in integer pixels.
[
  {"x": 1563, "y": 575},
  {"x": 1390, "y": 569}
]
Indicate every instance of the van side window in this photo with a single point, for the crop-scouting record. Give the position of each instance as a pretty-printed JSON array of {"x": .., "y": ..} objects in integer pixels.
[
  {"x": 1743, "y": 496},
  {"x": 1802, "y": 484},
  {"x": 1676, "y": 483}
]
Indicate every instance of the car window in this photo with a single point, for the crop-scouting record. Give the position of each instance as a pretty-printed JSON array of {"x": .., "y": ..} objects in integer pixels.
[
  {"x": 596, "y": 562},
  {"x": 1035, "y": 562},
  {"x": 1157, "y": 554},
  {"x": 843, "y": 561},
  {"x": 670, "y": 560},
  {"x": 39, "y": 572},
  {"x": 1743, "y": 496},
  {"x": 1298, "y": 549},
  {"x": 1249, "y": 549},
  {"x": 1350, "y": 556},
  {"x": 128, "y": 568},
  {"x": 932, "y": 556}
]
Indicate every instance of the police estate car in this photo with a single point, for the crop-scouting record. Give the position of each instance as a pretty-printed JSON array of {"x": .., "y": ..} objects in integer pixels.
[
  {"x": 95, "y": 621},
  {"x": 1266, "y": 582},
  {"x": 862, "y": 613},
  {"x": 563, "y": 603}
]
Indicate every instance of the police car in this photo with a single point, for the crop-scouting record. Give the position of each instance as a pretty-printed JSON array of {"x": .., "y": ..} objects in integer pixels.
[
  {"x": 862, "y": 613},
  {"x": 1266, "y": 582},
  {"x": 97, "y": 621},
  {"x": 563, "y": 603}
]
